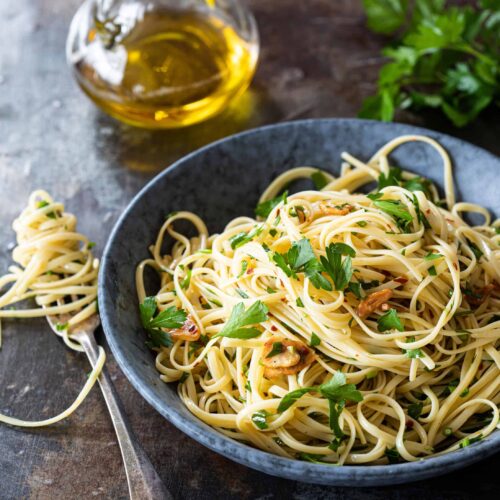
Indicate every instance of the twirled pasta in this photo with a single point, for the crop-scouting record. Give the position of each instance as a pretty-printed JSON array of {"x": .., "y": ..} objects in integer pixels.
[
  {"x": 56, "y": 268},
  {"x": 427, "y": 390}
]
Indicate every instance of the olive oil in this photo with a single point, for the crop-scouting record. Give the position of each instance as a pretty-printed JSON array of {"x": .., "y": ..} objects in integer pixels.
[{"x": 170, "y": 69}]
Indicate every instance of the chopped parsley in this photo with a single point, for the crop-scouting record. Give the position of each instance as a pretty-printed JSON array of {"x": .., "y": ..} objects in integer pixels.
[
  {"x": 475, "y": 249},
  {"x": 392, "y": 455},
  {"x": 389, "y": 321},
  {"x": 242, "y": 293},
  {"x": 432, "y": 271},
  {"x": 301, "y": 258},
  {"x": 43, "y": 204},
  {"x": 355, "y": 288},
  {"x": 337, "y": 392},
  {"x": 240, "y": 318},
  {"x": 60, "y": 327},
  {"x": 266, "y": 207},
  {"x": 187, "y": 280},
  {"x": 397, "y": 211},
  {"x": 276, "y": 349},
  {"x": 244, "y": 266},
  {"x": 315, "y": 340},
  {"x": 319, "y": 179},
  {"x": 432, "y": 256},
  {"x": 259, "y": 418},
  {"x": 168, "y": 318},
  {"x": 243, "y": 238},
  {"x": 340, "y": 270},
  {"x": 413, "y": 353},
  {"x": 299, "y": 302},
  {"x": 470, "y": 440},
  {"x": 415, "y": 410}
]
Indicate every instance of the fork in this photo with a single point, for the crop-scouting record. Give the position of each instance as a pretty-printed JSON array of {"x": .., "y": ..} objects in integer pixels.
[{"x": 142, "y": 478}]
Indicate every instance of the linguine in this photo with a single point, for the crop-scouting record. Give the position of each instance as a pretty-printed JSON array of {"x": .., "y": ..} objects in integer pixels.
[
  {"x": 56, "y": 268},
  {"x": 339, "y": 327}
]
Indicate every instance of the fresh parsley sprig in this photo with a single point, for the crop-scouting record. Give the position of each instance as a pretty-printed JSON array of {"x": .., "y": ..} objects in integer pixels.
[
  {"x": 443, "y": 57},
  {"x": 168, "y": 318},
  {"x": 300, "y": 257},
  {"x": 241, "y": 318},
  {"x": 340, "y": 270},
  {"x": 337, "y": 392}
]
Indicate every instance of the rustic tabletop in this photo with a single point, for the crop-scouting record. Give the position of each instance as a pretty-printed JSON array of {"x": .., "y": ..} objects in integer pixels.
[{"x": 317, "y": 60}]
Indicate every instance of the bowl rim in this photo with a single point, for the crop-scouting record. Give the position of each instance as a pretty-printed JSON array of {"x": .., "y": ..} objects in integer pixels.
[{"x": 364, "y": 475}]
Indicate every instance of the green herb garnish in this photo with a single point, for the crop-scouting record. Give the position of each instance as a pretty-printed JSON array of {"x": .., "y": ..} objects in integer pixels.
[
  {"x": 168, "y": 318},
  {"x": 336, "y": 391},
  {"x": 243, "y": 238},
  {"x": 413, "y": 353},
  {"x": 240, "y": 318},
  {"x": 266, "y": 207},
  {"x": 276, "y": 349},
  {"x": 259, "y": 418},
  {"x": 415, "y": 410},
  {"x": 301, "y": 258},
  {"x": 315, "y": 340},
  {"x": 389, "y": 321},
  {"x": 444, "y": 58},
  {"x": 340, "y": 270},
  {"x": 319, "y": 179}
]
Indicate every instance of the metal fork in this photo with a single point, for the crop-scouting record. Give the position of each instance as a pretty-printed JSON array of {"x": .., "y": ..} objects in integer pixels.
[{"x": 143, "y": 480}]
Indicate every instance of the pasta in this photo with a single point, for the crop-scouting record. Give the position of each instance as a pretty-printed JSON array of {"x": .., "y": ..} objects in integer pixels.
[
  {"x": 56, "y": 268},
  {"x": 338, "y": 327}
]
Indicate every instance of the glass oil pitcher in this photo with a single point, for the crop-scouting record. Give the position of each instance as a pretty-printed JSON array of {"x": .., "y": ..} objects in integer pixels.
[{"x": 162, "y": 63}]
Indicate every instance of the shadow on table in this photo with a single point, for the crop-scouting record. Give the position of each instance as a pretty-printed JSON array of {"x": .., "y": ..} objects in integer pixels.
[{"x": 149, "y": 151}]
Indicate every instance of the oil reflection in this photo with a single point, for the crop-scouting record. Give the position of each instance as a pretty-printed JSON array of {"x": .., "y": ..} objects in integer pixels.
[{"x": 149, "y": 151}]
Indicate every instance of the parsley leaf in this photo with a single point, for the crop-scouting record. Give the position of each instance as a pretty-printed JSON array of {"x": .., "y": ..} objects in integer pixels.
[
  {"x": 301, "y": 258},
  {"x": 415, "y": 410},
  {"x": 336, "y": 391},
  {"x": 397, "y": 210},
  {"x": 239, "y": 318},
  {"x": 276, "y": 349},
  {"x": 168, "y": 318},
  {"x": 315, "y": 340},
  {"x": 414, "y": 353},
  {"x": 475, "y": 249},
  {"x": 445, "y": 57},
  {"x": 43, "y": 204},
  {"x": 259, "y": 418},
  {"x": 243, "y": 238},
  {"x": 264, "y": 208},
  {"x": 319, "y": 179},
  {"x": 389, "y": 321},
  {"x": 339, "y": 270},
  {"x": 432, "y": 256}
]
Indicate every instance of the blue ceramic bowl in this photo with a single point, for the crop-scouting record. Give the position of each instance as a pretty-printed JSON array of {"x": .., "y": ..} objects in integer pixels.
[{"x": 224, "y": 180}]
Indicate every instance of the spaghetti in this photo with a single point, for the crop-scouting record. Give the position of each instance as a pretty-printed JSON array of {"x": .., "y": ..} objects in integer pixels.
[{"x": 338, "y": 327}]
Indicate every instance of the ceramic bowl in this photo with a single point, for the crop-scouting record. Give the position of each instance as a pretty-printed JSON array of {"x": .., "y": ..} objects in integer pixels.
[{"x": 224, "y": 180}]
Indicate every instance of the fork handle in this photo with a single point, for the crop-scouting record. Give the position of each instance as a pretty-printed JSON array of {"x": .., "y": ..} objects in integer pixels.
[{"x": 143, "y": 480}]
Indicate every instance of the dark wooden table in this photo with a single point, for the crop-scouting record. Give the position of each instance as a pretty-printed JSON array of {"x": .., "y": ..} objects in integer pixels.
[{"x": 318, "y": 60}]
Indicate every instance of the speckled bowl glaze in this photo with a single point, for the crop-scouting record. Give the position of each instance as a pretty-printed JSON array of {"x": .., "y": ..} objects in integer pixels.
[{"x": 224, "y": 180}]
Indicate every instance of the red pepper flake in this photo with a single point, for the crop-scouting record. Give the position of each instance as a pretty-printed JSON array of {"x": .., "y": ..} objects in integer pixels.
[
  {"x": 274, "y": 328},
  {"x": 409, "y": 424},
  {"x": 455, "y": 265},
  {"x": 401, "y": 280},
  {"x": 250, "y": 271},
  {"x": 428, "y": 211}
]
